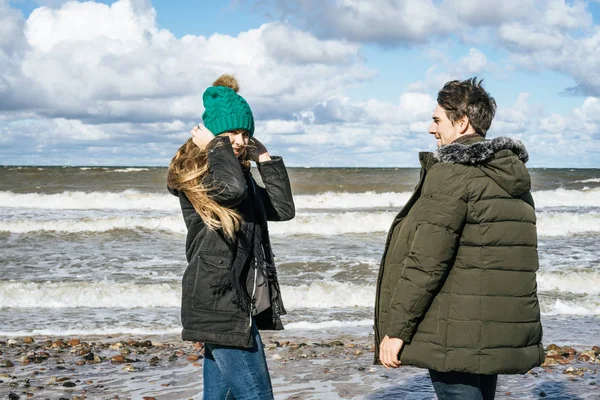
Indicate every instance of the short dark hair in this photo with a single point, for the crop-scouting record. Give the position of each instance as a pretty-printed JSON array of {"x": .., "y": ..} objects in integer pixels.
[{"x": 460, "y": 98}]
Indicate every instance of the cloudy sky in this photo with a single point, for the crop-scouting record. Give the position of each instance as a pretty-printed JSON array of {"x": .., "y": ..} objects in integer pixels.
[{"x": 330, "y": 82}]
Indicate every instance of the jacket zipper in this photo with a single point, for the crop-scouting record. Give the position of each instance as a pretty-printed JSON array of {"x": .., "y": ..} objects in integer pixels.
[
  {"x": 252, "y": 298},
  {"x": 397, "y": 220}
]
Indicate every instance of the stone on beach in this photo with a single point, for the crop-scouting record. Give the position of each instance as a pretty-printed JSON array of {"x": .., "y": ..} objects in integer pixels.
[
  {"x": 549, "y": 361},
  {"x": 568, "y": 351},
  {"x": 198, "y": 346},
  {"x": 116, "y": 346},
  {"x": 575, "y": 371},
  {"x": 119, "y": 359},
  {"x": 587, "y": 355}
]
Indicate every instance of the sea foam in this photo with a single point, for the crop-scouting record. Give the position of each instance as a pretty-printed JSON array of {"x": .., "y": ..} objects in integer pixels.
[
  {"x": 16, "y": 294},
  {"x": 135, "y": 200},
  {"x": 549, "y": 224},
  {"x": 317, "y": 295}
]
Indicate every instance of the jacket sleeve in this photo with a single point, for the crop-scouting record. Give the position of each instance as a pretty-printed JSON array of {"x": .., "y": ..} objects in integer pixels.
[
  {"x": 277, "y": 193},
  {"x": 441, "y": 218},
  {"x": 225, "y": 181}
]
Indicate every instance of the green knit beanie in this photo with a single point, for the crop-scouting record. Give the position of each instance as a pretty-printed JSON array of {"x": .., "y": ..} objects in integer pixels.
[{"x": 225, "y": 110}]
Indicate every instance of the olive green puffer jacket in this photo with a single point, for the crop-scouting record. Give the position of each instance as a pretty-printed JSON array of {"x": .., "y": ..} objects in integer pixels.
[{"x": 457, "y": 281}]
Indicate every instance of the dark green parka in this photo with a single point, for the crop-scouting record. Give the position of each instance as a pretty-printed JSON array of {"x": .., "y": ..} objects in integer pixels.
[{"x": 457, "y": 282}]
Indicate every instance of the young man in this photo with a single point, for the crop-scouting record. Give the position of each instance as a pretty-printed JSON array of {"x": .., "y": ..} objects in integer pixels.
[{"x": 456, "y": 292}]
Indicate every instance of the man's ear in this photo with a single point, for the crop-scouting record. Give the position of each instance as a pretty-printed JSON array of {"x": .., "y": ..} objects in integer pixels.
[{"x": 463, "y": 125}]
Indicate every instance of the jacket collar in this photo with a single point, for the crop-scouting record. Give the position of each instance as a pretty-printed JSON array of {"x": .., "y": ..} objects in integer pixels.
[
  {"x": 472, "y": 150},
  {"x": 469, "y": 139},
  {"x": 427, "y": 159}
]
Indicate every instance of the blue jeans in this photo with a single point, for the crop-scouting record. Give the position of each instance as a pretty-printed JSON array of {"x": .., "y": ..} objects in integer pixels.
[
  {"x": 236, "y": 373},
  {"x": 463, "y": 386}
]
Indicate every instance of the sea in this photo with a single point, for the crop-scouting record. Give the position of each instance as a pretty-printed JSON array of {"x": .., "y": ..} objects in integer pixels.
[{"x": 100, "y": 251}]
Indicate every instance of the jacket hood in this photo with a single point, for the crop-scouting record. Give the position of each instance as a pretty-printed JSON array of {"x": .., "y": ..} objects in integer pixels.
[{"x": 502, "y": 159}]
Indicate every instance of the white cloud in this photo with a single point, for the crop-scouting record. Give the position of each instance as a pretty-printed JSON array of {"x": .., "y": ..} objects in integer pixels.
[
  {"x": 445, "y": 69},
  {"x": 297, "y": 47},
  {"x": 579, "y": 57},
  {"x": 554, "y": 140},
  {"x": 554, "y": 123},
  {"x": 589, "y": 111},
  {"x": 106, "y": 63},
  {"x": 538, "y": 34},
  {"x": 474, "y": 63},
  {"x": 515, "y": 120},
  {"x": 125, "y": 24},
  {"x": 477, "y": 12},
  {"x": 560, "y": 14},
  {"x": 126, "y": 91},
  {"x": 394, "y": 137},
  {"x": 527, "y": 38},
  {"x": 11, "y": 31},
  {"x": 390, "y": 22},
  {"x": 385, "y": 134},
  {"x": 387, "y": 20},
  {"x": 416, "y": 106},
  {"x": 434, "y": 79},
  {"x": 401, "y": 22}
]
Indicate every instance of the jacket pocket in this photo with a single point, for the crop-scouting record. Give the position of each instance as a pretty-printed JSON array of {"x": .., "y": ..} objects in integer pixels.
[
  {"x": 211, "y": 289},
  {"x": 215, "y": 259}
]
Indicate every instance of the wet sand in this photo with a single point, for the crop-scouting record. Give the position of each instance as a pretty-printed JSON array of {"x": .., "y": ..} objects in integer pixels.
[{"x": 165, "y": 368}]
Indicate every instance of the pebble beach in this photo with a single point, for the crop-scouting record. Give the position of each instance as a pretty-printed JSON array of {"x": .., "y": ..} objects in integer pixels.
[{"x": 166, "y": 368}]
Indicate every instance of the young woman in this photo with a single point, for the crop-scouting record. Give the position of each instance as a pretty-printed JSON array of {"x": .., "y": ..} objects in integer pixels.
[{"x": 230, "y": 287}]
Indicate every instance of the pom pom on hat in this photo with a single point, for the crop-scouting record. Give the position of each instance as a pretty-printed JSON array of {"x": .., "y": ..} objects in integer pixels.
[
  {"x": 225, "y": 110},
  {"x": 227, "y": 81}
]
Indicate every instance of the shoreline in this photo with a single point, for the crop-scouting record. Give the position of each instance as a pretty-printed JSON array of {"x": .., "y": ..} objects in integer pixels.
[{"x": 340, "y": 366}]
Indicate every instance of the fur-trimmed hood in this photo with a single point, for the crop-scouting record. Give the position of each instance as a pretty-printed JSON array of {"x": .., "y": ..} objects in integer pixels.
[
  {"x": 502, "y": 159},
  {"x": 480, "y": 152}
]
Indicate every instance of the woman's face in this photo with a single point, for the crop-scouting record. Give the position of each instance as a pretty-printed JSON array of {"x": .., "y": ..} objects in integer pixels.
[{"x": 239, "y": 141}]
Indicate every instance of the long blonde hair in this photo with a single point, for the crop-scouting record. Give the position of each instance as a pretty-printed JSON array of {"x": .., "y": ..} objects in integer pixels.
[{"x": 186, "y": 173}]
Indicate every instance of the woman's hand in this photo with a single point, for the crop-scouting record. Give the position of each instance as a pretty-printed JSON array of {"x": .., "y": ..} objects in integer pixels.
[
  {"x": 257, "y": 151},
  {"x": 201, "y": 136}
]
